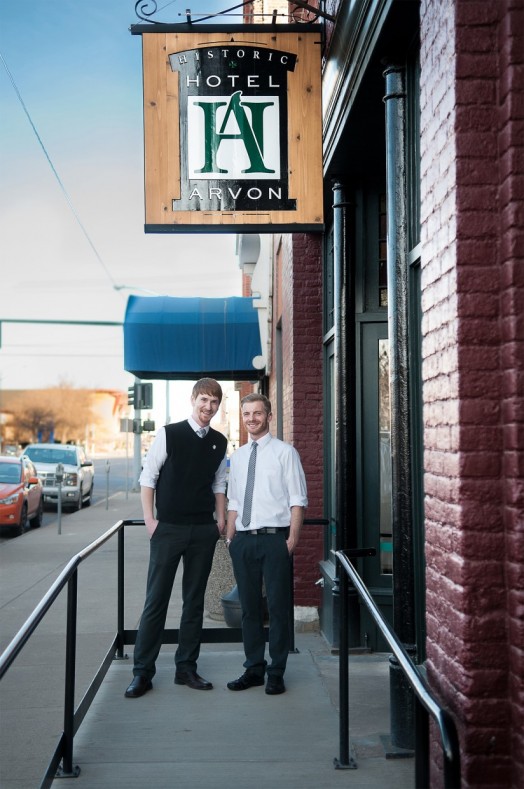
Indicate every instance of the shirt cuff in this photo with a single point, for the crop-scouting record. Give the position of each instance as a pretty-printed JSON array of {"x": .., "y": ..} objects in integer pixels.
[
  {"x": 298, "y": 501},
  {"x": 147, "y": 480}
]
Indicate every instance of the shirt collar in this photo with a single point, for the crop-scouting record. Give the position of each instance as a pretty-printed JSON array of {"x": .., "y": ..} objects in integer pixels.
[
  {"x": 260, "y": 441},
  {"x": 194, "y": 424}
]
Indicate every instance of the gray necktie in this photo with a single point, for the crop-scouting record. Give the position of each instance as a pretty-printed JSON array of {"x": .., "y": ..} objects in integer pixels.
[
  {"x": 250, "y": 482},
  {"x": 201, "y": 432}
]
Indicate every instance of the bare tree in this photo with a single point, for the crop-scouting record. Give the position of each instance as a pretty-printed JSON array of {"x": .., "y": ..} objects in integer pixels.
[
  {"x": 34, "y": 421},
  {"x": 62, "y": 413}
]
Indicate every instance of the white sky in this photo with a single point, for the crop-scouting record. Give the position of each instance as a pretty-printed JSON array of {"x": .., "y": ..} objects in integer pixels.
[{"x": 79, "y": 72}]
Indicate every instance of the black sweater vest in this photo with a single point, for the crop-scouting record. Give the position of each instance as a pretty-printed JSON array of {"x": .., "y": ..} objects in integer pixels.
[{"x": 183, "y": 490}]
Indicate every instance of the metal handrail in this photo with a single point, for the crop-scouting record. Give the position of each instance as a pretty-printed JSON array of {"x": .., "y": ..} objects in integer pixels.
[
  {"x": 30, "y": 625},
  {"x": 426, "y": 703},
  {"x": 69, "y": 577},
  {"x": 72, "y": 719}
]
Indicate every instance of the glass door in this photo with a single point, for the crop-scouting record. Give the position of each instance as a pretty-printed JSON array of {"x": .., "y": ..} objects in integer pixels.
[{"x": 375, "y": 516}]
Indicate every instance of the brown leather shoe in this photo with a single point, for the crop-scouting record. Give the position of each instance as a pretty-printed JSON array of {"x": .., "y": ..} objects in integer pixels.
[
  {"x": 192, "y": 680},
  {"x": 138, "y": 687}
]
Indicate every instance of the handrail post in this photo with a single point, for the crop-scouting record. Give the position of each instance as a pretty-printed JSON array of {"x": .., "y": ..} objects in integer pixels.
[
  {"x": 421, "y": 745},
  {"x": 452, "y": 778},
  {"x": 291, "y": 620},
  {"x": 345, "y": 761},
  {"x": 67, "y": 770},
  {"x": 421, "y": 693},
  {"x": 343, "y": 678},
  {"x": 120, "y": 596},
  {"x": 291, "y": 614}
]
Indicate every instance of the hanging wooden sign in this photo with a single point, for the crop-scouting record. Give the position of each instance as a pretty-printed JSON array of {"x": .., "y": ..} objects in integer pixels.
[{"x": 233, "y": 130}]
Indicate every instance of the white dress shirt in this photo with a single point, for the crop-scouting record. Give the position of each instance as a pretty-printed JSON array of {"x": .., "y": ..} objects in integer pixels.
[
  {"x": 156, "y": 457},
  {"x": 280, "y": 483}
]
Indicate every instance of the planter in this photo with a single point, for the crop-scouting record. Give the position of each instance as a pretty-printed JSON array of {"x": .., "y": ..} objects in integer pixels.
[{"x": 231, "y": 608}]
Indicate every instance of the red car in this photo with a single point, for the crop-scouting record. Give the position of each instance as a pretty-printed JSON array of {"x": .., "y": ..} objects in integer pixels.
[{"x": 21, "y": 495}]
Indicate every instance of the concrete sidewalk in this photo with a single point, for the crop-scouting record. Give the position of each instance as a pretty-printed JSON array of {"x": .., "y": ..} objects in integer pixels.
[{"x": 173, "y": 736}]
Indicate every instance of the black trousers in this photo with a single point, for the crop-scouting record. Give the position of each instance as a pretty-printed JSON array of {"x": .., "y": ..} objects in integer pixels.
[
  {"x": 195, "y": 545},
  {"x": 257, "y": 558}
]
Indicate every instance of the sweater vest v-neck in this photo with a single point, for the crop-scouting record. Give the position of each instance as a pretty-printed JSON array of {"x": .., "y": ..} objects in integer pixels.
[{"x": 184, "y": 488}]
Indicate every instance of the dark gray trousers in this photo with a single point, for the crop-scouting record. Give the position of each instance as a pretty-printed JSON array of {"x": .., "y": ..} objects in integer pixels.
[
  {"x": 195, "y": 545},
  {"x": 263, "y": 557}
]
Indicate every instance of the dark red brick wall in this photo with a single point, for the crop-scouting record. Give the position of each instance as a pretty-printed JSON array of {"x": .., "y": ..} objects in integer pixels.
[
  {"x": 510, "y": 142},
  {"x": 472, "y": 146},
  {"x": 299, "y": 293}
]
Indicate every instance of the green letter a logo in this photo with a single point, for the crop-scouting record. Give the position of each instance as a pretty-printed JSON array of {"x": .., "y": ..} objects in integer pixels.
[{"x": 250, "y": 132}]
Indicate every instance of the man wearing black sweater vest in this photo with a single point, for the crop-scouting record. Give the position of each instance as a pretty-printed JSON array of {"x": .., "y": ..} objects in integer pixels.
[{"x": 185, "y": 476}]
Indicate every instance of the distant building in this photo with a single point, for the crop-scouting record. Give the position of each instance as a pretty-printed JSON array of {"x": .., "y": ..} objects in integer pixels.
[
  {"x": 84, "y": 416},
  {"x": 260, "y": 11}
]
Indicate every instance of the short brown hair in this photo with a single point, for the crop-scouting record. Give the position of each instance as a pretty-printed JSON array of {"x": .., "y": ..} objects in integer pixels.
[
  {"x": 254, "y": 397},
  {"x": 207, "y": 386}
]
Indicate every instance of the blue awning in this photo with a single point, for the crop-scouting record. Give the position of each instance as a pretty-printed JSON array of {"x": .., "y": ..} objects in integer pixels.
[{"x": 180, "y": 339}]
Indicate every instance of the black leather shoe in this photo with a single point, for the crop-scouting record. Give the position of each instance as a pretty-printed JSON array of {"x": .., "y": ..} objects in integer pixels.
[
  {"x": 275, "y": 685},
  {"x": 192, "y": 680},
  {"x": 138, "y": 687},
  {"x": 246, "y": 681}
]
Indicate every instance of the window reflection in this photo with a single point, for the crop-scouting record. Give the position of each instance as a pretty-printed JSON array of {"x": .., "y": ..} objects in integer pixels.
[
  {"x": 382, "y": 254},
  {"x": 332, "y": 458},
  {"x": 386, "y": 545}
]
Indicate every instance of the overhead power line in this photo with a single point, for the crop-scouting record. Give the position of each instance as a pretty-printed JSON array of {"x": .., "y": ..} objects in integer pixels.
[{"x": 55, "y": 173}]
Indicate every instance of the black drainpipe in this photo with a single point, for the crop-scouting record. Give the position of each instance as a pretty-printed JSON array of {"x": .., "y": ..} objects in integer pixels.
[
  {"x": 344, "y": 321},
  {"x": 402, "y": 702}
]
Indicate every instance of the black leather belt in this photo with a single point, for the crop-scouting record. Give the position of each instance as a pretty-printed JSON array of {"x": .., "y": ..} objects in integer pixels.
[{"x": 264, "y": 530}]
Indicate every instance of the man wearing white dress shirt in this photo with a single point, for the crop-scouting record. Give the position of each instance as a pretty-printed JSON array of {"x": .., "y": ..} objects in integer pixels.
[
  {"x": 185, "y": 476},
  {"x": 263, "y": 526}
]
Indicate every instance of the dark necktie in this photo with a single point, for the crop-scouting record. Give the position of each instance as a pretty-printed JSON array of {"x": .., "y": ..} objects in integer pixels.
[{"x": 248, "y": 497}]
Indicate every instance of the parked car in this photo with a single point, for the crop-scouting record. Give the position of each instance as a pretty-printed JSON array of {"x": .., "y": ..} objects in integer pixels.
[
  {"x": 12, "y": 449},
  {"x": 78, "y": 473},
  {"x": 21, "y": 495}
]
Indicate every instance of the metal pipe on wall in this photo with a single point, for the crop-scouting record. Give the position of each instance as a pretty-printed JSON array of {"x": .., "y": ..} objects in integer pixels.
[
  {"x": 402, "y": 702},
  {"x": 342, "y": 455},
  {"x": 340, "y": 312},
  {"x": 345, "y": 393}
]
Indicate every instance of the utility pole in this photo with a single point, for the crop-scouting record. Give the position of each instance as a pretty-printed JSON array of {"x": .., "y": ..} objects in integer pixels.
[
  {"x": 137, "y": 432},
  {"x": 134, "y": 399}
]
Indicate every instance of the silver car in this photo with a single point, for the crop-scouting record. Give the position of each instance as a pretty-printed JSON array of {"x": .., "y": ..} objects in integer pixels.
[{"x": 78, "y": 473}]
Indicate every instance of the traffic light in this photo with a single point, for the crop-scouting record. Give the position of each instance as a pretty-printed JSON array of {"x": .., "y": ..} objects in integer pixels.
[
  {"x": 144, "y": 396},
  {"x": 140, "y": 395}
]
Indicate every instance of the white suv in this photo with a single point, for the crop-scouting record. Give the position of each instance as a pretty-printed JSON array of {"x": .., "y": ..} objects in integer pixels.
[{"x": 77, "y": 482}]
